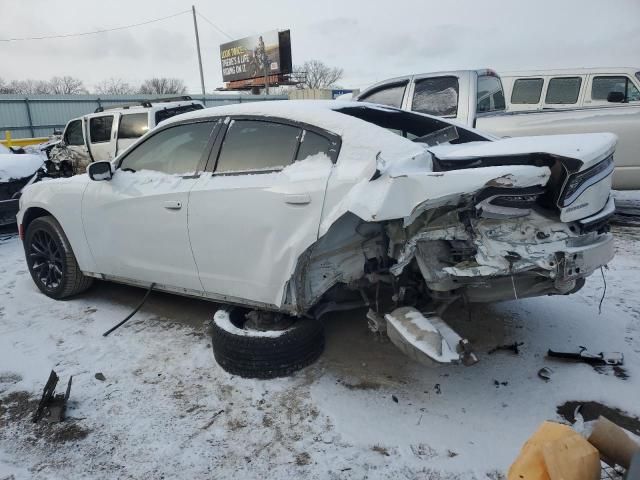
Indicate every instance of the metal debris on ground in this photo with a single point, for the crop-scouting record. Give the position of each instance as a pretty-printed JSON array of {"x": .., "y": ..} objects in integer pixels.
[
  {"x": 602, "y": 358},
  {"x": 511, "y": 347},
  {"x": 52, "y": 407},
  {"x": 545, "y": 373}
]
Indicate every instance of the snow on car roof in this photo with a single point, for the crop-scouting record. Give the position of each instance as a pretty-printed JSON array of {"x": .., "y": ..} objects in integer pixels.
[{"x": 323, "y": 114}]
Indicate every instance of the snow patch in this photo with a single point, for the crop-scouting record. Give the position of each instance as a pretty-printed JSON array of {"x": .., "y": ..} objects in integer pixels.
[
  {"x": 223, "y": 320},
  {"x": 16, "y": 166}
]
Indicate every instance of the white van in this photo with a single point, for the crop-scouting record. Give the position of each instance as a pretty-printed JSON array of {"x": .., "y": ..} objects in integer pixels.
[
  {"x": 571, "y": 88},
  {"x": 108, "y": 131}
]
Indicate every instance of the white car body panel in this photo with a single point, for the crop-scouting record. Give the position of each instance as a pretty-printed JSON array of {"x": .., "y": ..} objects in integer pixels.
[
  {"x": 145, "y": 213},
  {"x": 278, "y": 216}
]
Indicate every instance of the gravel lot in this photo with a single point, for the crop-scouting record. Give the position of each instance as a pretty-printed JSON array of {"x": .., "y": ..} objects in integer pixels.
[{"x": 166, "y": 410}]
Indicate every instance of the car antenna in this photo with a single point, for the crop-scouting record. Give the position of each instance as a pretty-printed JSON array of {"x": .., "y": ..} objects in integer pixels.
[{"x": 135, "y": 310}]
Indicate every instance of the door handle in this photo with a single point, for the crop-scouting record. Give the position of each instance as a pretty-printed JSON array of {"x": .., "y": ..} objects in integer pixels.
[
  {"x": 297, "y": 198},
  {"x": 172, "y": 205}
]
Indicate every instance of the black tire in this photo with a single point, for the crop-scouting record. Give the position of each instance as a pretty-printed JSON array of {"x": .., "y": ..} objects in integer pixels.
[
  {"x": 267, "y": 357},
  {"x": 51, "y": 261}
]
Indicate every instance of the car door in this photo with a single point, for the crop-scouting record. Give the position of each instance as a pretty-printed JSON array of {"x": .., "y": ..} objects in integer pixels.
[
  {"x": 260, "y": 208},
  {"x": 136, "y": 223},
  {"x": 74, "y": 140},
  {"x": 102, "y": 136}
]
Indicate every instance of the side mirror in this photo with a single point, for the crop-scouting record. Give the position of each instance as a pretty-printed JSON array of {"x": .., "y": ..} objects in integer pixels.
[
  {"x": 615, "y": 97},
  {"x": 100, "y": 171},
  {"x": 57, "y": 131}
]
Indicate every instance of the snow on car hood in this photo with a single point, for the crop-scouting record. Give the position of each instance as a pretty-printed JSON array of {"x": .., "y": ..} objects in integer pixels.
[
  {"x": 589, "y": 148},
  {"x": 15, "y": 166}
]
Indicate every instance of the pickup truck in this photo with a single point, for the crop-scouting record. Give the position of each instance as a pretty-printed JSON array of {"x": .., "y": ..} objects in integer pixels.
[
  {"x": 476, "y": 98},
  {"x": 108, "y": 131}
]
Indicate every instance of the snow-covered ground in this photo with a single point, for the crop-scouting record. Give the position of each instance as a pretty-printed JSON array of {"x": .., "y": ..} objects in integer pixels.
[{"x": 166, "y": 410}]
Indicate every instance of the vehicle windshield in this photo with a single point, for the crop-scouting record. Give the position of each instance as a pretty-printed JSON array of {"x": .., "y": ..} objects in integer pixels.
[
  {"x": 412, "y": 126},
  {"x": 172, "y": 112}
]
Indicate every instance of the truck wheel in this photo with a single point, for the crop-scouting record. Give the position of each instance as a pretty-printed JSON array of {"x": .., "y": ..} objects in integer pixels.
[
  {"x": 51, "y": 261},
  {"x": 241, "y": 349}
]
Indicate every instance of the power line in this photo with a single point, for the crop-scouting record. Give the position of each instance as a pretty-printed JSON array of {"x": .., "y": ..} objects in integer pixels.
[
  {"x": 215, "y": 26},
  {"x": 67, "y": 35}
]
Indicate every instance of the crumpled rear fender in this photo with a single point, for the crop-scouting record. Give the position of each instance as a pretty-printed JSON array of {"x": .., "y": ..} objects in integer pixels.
[{"x": 406, "y": 196}]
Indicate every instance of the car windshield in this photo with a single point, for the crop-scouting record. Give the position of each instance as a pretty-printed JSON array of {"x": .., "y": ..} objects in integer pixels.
[{"x": 412, "y": 126}]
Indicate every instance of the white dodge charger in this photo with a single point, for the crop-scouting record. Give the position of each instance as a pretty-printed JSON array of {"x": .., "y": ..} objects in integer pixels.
[{"x": 282, "y": 207}]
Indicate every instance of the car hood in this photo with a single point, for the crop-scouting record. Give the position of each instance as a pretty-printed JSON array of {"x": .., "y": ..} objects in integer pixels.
[{"x": 14, "y": 166}]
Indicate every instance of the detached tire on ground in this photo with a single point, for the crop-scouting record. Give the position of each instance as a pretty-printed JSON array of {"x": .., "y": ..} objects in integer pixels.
[
  {"x": 270, "y": 354},
  {"x": 51, "y": 261}
]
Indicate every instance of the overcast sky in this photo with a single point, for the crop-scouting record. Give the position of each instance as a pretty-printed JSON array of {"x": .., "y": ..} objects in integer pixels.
[{"x": 370, "y": 40}]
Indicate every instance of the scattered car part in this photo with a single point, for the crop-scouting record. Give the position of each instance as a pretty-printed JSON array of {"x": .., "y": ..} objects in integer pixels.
[
  {"x": 545, "y": 373},
  {"x": 279, "y": 346},
  {"x": 602, "y": 358},
  {"x": 511, "y": 347},
  {"x": 52, "y": 407},
  {"x": 427, "y": 338},
  {"x": 135, "y": 310}
]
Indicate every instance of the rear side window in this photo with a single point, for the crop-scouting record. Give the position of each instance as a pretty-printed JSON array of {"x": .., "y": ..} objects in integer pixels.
[
  {"x": 133, "y": 125},
  {"x": 100, "y": 129},
  {"x": 176, "y": 150},
  {"x": 527, "y": 90},
  {"x": 563, "y": 90},
  {"x": 391, "y": 95},
  {"x": 601, "y": 87},
  {"x": 436, "y": 96},
  {"x": 312, "y": 144},
  {"x": 257, "y": 145},
  {"x": 73, "y": 135},
  {"x": 490, "y": 97}
]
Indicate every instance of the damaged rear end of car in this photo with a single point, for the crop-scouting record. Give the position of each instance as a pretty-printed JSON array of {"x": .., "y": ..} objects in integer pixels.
[{"x": 480, "y": 221}]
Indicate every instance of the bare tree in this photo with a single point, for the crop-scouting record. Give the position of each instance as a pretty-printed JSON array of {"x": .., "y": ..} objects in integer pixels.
[
  {"x": 114, "y": 86},
  {"x": 317, "y": 74},
  {"x": 25, "y": 87},
  {"x": 163, "y": 85},
  {"x": 66, "y": 85}
]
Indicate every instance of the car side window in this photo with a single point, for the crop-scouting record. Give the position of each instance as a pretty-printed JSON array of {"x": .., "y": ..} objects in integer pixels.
[
  {"x": 490, "y": 96},
  {"x": 312, "y": 144},
  {"x": 436, "y": 96},
  {"x": 527, "y": 90},
  {"x": 256, "y": 145},
  {"x": 390, "y": 95},
  {"x": 175, "y": 150},
  {"x": 73, "y": 135},
  {"x": 601, "y": 87},
  {"x": 133, "y": 125},
  {"x": 100, "y": 129},
  {"x": 563, "y": 90}
]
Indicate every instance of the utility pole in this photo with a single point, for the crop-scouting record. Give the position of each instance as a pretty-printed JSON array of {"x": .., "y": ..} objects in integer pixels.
[
  {"x": 195, "y": 26},
  {"x": 266, "y": 77}
]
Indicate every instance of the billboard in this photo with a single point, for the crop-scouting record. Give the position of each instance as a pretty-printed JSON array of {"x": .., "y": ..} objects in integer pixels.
[{"x": 247, "y": 58}]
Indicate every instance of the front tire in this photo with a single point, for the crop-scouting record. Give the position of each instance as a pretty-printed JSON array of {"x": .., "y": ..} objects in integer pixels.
[{"x": 51, "y": 261}]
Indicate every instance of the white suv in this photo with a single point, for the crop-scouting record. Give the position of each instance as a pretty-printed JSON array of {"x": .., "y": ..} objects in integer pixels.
[{"x": 109, "y": 131}]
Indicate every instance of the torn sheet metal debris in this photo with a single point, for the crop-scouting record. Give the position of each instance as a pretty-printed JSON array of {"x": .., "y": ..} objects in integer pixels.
[
  {"x": 52, "y": 407},
  {"x": 602, "y": 358}
]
